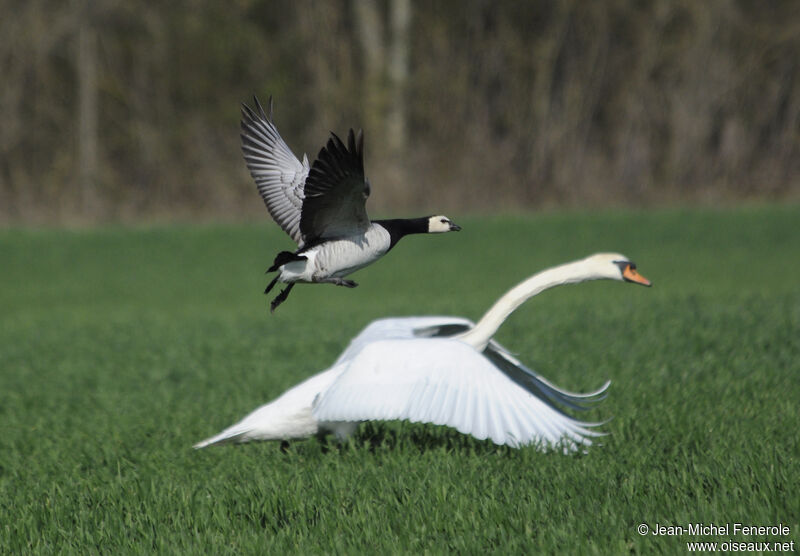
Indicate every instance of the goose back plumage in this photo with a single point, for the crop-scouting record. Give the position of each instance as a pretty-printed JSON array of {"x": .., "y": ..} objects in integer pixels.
[{"x": 336, "y": 191}]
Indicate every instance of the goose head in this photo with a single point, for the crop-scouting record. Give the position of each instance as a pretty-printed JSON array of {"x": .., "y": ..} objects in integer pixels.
[
  {"x": 439, "y": 224},
  {"x": 614, "y": 266}
]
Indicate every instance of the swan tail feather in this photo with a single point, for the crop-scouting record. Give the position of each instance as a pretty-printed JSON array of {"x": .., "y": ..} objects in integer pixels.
[{"x": 224, "y": 437}]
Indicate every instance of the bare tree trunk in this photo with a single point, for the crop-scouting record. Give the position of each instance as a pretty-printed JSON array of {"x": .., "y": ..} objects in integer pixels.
[
  {"x": 87, "y": 112},
  {"x": 370, "y": 36},
  {"x": 386, "y": 55},
  {"x": 398, "y": 76}
]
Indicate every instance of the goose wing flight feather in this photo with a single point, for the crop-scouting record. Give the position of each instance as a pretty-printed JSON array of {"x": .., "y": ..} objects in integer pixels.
[
  {"x": 279, "y": 175},
  {"x": 445, "y": 383},
  {"x": 336, "y": 191}
]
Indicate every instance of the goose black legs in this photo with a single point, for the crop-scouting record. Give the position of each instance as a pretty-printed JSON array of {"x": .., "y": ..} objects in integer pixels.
[
  {"x": 281, "y": 297},
  {"x": 339, "y": 282},
  {"x": 271, "y": 284}
]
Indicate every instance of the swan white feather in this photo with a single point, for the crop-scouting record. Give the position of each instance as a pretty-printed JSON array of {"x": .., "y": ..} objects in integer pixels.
[{"x": 440, "y": 385}]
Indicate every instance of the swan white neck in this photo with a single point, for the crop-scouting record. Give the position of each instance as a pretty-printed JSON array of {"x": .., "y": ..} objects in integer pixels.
[{"x": 569, "y": 273}]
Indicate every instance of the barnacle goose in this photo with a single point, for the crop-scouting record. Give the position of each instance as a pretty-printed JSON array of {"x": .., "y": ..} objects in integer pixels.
[{"x": 321, "y": 207}]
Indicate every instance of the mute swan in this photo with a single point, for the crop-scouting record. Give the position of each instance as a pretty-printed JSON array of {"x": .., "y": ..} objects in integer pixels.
[
  {"x": 321, "y": 207},
  {"x": 440, "y": 370}
]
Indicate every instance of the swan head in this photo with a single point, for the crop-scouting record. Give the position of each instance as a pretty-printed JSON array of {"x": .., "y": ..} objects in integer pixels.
[
  {"x": 615, "y": 266},
  {"x": 439, "y": 224}
]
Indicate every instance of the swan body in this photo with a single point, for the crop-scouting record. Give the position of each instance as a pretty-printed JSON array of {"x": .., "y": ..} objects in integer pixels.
[
  {"x": 321, "y": 206},
  {"x": 440, "y": 370}
]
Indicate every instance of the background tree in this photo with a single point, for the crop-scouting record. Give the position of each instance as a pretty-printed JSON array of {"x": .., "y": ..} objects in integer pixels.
[{"x": 117, "y": 110}]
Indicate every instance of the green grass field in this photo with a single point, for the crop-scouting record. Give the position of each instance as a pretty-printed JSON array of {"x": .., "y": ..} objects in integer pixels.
[{"x": 120, "y": 348}]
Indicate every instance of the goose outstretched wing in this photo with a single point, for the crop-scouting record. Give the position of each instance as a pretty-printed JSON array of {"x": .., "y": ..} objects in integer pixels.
[
  {"x": 336, "y": 191},
  {"x": 279, "y": 175}
]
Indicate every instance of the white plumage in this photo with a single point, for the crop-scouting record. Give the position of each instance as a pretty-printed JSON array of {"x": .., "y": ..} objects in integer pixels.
[
  {"x": 440, "y": 370},
  {"x": 443, "y": 384}
]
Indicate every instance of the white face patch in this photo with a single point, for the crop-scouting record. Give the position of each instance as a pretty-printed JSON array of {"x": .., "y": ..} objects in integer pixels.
[{"x": 439, "y": 224}]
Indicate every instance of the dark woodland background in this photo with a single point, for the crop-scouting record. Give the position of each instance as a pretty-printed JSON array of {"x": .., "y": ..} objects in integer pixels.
[{"x": 118, "y": 110}]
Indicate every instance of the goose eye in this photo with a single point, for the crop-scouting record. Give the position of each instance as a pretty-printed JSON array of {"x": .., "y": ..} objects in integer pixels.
[{"x": 443, "y": 221}]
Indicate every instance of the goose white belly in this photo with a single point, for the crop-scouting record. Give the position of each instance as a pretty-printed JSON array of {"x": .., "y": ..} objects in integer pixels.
[{"x": 339, "y": 257}]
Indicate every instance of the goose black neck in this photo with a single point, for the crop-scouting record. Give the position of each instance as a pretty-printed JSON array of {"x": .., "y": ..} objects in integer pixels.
[{"x": 401, "y": 227}]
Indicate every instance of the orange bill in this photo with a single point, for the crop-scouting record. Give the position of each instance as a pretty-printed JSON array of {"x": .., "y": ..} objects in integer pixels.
[{"x": 631, "y": 275}]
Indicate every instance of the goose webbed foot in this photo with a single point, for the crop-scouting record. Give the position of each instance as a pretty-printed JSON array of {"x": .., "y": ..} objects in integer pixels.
[
  {"x": 280, "y": 298},
  {"x": 340, "y": 282}
]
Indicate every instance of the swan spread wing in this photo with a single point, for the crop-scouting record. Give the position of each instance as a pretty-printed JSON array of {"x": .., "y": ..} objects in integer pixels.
[
  {"x": 397, "y": 328},
  {"x": 279, "y": 175},
  {"x": 444, "y": 382},
  {"x": 539, "y": 386},
  {"x": 435, "y": 326}
]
